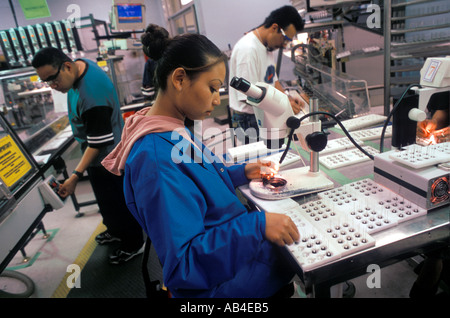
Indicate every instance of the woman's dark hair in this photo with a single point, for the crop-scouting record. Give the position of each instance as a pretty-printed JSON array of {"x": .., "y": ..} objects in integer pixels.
[
  {"x": 195, "y": 53},
  {"x": 285, "y": 16},
  {"x": 49, "y": 56}
]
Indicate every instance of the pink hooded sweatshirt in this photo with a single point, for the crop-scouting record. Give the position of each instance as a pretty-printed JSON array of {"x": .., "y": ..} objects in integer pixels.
[{"x": 137, "y": 126}]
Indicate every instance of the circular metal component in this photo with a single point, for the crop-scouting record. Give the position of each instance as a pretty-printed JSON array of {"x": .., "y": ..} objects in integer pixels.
[{"x": 274, "y": 183}]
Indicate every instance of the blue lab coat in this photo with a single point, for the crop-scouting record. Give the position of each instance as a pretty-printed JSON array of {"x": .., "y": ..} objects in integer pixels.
[{"x": 206, "y": 240}]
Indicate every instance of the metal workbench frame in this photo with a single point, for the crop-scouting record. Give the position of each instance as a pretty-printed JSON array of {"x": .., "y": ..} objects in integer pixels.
[{"x": 418, "y": 236}]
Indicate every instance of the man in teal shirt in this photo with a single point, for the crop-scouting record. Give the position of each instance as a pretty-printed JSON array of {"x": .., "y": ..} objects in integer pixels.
[{"x": 96, "y": 120}]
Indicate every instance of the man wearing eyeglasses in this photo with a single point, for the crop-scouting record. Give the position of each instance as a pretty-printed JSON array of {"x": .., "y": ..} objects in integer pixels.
[
  {"x": 252, "y": 58},
  {"x": 96, "y": 120}
]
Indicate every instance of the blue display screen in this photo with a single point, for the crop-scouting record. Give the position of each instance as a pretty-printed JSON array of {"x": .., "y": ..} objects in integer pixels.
[{"x": 129, "y": 13}]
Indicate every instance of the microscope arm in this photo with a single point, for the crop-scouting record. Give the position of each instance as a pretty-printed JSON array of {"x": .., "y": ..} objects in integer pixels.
[{"x": 273, "y": 111}]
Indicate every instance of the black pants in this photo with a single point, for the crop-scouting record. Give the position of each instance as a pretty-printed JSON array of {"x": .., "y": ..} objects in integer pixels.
[{"x": 108, "y": 190}]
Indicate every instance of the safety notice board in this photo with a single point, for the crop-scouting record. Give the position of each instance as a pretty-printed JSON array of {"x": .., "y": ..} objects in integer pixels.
[{"x": 13, "y": 163}]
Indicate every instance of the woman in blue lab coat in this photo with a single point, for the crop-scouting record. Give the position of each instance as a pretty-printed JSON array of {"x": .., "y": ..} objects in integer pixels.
[{"x": 209, "y": 244}]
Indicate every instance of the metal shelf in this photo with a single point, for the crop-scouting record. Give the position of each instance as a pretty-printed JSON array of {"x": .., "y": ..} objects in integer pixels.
[
  {"x": 404, "y": 4},
  {"x": 406, "y": 68},
  {"x": 426, "y": 28},
  {"x": 399, "y": 19},
  {"x": 359, "y": 54},
  {"x": 402, "y": 45},
  {"x": 421, "y": 52},
  {"x": 407, "y": 42}
]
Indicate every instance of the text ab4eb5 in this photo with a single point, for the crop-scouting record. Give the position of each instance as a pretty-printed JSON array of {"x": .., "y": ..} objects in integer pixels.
[{"x": 229, "y": 307}]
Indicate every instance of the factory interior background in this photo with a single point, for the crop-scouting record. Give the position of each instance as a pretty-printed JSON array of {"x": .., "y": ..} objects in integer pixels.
[{"x": 349, "y": 49}]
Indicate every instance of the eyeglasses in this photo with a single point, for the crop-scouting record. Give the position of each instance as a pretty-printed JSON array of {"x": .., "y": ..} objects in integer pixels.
[
  {"x": 53, "y": 79},
  {"x": 286, "y": 38}
]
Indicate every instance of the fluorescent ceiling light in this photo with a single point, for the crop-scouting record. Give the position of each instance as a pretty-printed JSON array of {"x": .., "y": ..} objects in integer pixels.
[{"x": 185, "y": 2}]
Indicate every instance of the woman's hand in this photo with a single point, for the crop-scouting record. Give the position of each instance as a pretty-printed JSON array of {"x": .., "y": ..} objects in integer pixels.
[
  {"x": 280, "y": 229},
  {"x": 261, "y": 169}
]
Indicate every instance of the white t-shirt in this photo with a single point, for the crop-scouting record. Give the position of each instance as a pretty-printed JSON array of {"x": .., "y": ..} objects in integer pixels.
[{"x": 251, "y": 61}]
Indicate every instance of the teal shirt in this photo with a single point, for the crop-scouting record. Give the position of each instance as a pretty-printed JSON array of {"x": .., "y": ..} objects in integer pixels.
[{"x": 94, "y": 89}]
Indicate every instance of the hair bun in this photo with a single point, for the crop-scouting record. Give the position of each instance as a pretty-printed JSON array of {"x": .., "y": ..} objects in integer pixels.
[{"x": 154, "y": 41}]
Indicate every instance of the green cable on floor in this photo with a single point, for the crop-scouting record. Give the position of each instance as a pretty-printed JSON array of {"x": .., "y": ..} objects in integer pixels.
[{"x": 35, "y": 256}]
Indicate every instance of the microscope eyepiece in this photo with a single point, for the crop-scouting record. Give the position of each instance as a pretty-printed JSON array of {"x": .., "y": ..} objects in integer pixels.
[
  {"x": 247, "y": 88},
  {"x": 240, "y": 84}
]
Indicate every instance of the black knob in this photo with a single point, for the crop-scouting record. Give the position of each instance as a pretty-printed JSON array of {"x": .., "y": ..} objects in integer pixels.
[
  {"x": 317, "y": 141},
  {"x": 293, "y": 122}
]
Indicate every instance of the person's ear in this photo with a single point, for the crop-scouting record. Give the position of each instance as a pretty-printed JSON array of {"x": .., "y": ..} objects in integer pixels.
[
  {"x": 179, "y": 77},
  {"x": 68, "y": 66},
  {"x": 274, "y": 27}
]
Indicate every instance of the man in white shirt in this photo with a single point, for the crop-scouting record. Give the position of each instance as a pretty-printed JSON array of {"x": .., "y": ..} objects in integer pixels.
[{"x": 252, "y": 58}]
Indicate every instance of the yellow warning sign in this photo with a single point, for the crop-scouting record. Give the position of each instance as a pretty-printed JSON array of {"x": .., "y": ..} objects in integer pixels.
[{"x": 13, "y": 163}]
